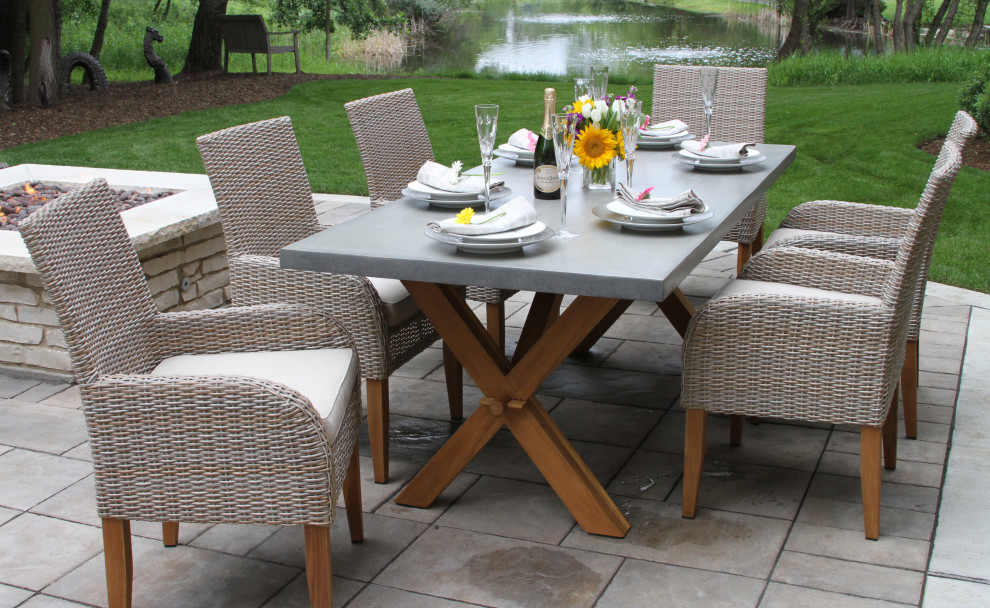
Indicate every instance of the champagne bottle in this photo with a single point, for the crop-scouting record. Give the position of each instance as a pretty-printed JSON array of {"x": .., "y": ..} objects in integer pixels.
[{"x": 546, "y": 182}]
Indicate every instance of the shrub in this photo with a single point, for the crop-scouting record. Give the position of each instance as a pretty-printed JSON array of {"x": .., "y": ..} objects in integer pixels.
[{"x": 975, "y": 97}]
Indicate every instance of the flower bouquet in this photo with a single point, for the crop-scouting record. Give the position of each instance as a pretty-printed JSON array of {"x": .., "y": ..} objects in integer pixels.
[{"x": 599, "y": 137}]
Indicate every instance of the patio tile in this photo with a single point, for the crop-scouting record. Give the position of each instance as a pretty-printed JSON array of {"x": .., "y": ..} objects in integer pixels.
[
  {"x": 936, "y": 414},
  {"x": 943, "y": 325},
  {"x": 771, "y": 444},
  {"x": 640, "y": 583},
  {"x": 749, "y": 488},
  {"x": 28, "y": 478},
  {"x": 11, "y": 386},
  {"x": 426, "y": 398},
  {"x": 13, "y": 596},
  {"x": 864, "y": 580},
  {"x": 939, "y": 365},
  {"x": 47, "y": 601},
  {"x": 696, "y": 285},
  {"x": 66, "y": 398},
  {"x": 907, "y": 471},
  {"x": 233, "y": 538},
  {"x": 493, "y": 506},
  {"x": 937, "y": 380},
  {"x": 598, "y": 354},
  {"x": 624, "y": 387},
  {"x": 152, "y": 530},
  {"x": 384, "y": 538},
  {"x": 8, "y": 514},
  {"x": 39, "y": 550},
  {"x": 646, "y": 357},
  {"x": 75, "y": 503},
  {"x": 296, "y": 594},
  {"x": 907, "y": 450},
  {"x": 649, "y": 475},
  {"x": 376, "y": 596},
  {"x": 499, "y": 572},
  {"x": 937, "y": 396},
  {"x": 788, "y": 596},
  {"x": 180, "y": 577},
  {"x": 42, "y": 391},
  {"x": 851, "y": 545},
  {"x": 453, "y": 492},
  {"x": 934, "y": 432},
  {"x": 942, "y": 351},
  {"x": 714, "y": 540},
  {"x": 411, "y": 440},
  {"x": 41, "y": 428},
  {"x": 4, "y": 449},
  {"x": 83, "y": 451},
  {"x": 422, "y": 365},
  {"x": 952, "y": 593},
  {"x": 893, "y": 495},
  {"x": 604, "y": 422},
  {"x": 849, "y": 516},
  {"x": 645, "y": 329}
]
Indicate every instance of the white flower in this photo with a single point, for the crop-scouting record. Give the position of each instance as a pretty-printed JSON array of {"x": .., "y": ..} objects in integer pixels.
[
  {"x": 584, "y": 98},
  {"x": 586, "y": 110},
  {"x": 601, "y": 105},
  {"x": 457, "y": 167},
  {"x": 617, "y": 106},
  {"x": 596, "y": 115}
]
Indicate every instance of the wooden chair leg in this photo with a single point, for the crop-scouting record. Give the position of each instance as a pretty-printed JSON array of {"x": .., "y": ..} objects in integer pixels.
[
  {"x": 695, "y": 431},
  {"x": 318, "y": 573},
  {"x": 352, "y": 497},
  {"x": 870, "y": 440},
  {"x": 170, "y": 533},
  {"x": 890, "y": 435},
  {"x": 495, "y": 319},
  {"x": 743, "y": 253},
  {"x": 454, "y": 374},
  {"x": 119, "y": 562},
  {"x": 736, "y": 423},
  {"x": 909, "y": 389},
  {"x": 378, "y": 426}
]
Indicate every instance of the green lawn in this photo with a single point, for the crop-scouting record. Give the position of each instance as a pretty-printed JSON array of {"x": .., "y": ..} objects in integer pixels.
[{"x": 854, "y": 143}]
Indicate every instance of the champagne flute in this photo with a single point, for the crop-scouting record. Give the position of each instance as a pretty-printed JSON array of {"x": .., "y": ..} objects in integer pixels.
[
  {"x": 582, "y": 86},
  {"x": 599, "y": 82},
  {"x": 631, "y": 120},
  {"x": 564, "y": 126},
  {"x": 709, "y": 80},
  {"x": 486, "y": 115}
]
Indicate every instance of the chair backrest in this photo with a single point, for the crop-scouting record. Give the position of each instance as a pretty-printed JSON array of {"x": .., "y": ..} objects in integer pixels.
[
  {"x": 392, "y": 140},
  {"x": 244, "y": 33},
  {"x": 92, "y": 273},
  {"x": 740, "y": 101},
  {"x": 963, "y": 129},
  {"x": 260, "y": 184}
]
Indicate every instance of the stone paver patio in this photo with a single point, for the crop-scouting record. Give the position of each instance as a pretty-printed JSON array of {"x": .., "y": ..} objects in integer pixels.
[{"x": 780, "y": 522}]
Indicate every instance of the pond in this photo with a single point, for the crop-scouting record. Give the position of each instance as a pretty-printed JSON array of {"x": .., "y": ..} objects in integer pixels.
[{"x": 559, "y": 37}]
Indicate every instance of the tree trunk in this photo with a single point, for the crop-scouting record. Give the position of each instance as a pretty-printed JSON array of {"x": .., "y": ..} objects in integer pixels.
[
  {"x": 328, "y": 25},
  {"x": 43, "y": 75},
  {"x": 898, "y": 28},
  {"x": 205, "y": 46},
  {"x": 936, "y": 21},
  {"x": 17, "y": 28},
  {"x": 793, "y": 41},
  {"x": 878, "y": 38},
  {"x": 101, "y": 29},
  {"x": 851, "y": 10},
  {"x": 977, "y": 30},
  {"x": 910, "y": 32},
  {"x": 950, "y": 16}
]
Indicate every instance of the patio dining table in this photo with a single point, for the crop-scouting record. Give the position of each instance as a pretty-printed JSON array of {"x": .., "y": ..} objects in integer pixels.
[{"x": 606, "y": 267}]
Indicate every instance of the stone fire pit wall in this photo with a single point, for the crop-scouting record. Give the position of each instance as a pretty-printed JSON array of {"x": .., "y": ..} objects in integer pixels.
[{"x": 178, "y": 239}]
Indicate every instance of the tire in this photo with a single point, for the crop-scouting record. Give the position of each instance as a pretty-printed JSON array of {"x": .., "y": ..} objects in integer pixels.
[{"x": 97, "y": 77}]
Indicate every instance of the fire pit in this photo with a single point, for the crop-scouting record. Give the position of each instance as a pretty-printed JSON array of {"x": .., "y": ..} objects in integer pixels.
[{"x": 17, "y": 203}]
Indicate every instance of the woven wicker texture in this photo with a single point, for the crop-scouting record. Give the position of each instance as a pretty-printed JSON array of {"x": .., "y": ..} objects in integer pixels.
[
  {"x": 740, "y": 107},
  {"x": 814, "y": 358},
  {"x": 392, "y": 161},
  {"x": 213, "y": 449},
  {"x": 256, "y": 167}
]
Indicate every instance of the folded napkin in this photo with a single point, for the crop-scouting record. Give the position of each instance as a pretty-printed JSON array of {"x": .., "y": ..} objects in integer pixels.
[
  {"x": 726, "y": 151},
  {"x": 513, "y": 214},
  {"x": 523, "y": 138},
  {"x": 664, "y": 129},
  {"x": 444, "y": 178},
  {"x": 684, "y": 204}
]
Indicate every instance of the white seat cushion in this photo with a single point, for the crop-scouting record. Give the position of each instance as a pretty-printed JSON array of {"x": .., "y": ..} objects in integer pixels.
[
  {"x": 398, "y": 305},
  {"x": 785, "y": 233},
  {"x": 743, "y": 287},
  {"x": 326, "y": 376}
]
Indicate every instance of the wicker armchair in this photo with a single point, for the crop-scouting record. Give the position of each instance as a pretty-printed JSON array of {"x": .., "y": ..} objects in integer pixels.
[
  {"x": 390, "y": 164},
  {"x": 255, "y": 170},
  {"x": 740, "y": 106},
  {"x": 871, "y": 231},
  {"x": 207, "y": 416},
  {"x": 801, "y": 353}
]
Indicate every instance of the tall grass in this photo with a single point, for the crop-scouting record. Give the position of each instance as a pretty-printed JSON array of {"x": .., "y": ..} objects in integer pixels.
[{"x": 936, "y": 64}]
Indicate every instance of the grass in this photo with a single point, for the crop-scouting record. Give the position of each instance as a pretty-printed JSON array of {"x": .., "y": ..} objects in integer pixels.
[
  {"x": 935, "y": 64},
  {"x": 854, "y": 143}
]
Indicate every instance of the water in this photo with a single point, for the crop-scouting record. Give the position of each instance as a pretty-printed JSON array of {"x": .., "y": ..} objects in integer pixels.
[{"x": 558, "y": 37}]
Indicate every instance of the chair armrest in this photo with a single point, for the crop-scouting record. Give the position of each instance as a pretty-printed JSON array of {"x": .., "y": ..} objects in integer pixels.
[
  {"x": 866, "y": 246},
  {"x": 246, "y": 328},
  {"x": 849, "y": 218},
  {"x": 820, "y": 270}
]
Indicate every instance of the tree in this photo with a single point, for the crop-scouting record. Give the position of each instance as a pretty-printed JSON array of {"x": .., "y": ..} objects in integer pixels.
[
  {"x": 937, "y": 20},
  {"x": 950, "y": 16},
  {"x": 205, "y": 46},
  {"x": 793, "y": 41},
  {"x": 101, "y": 29},
  {"x": 977, "y": 29},
  {"x": 45, "y": 30},
  {"x": 877, "y": 19}
]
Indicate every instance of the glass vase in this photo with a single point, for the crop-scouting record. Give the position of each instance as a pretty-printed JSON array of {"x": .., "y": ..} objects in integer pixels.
[{"x": 602, "y": 178}]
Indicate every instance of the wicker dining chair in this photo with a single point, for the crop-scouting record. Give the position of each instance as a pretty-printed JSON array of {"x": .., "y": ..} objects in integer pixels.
[
  {"x": 265, "y": 203},
  {"x": 210, "y": 416},
  {"x": 828, "y": 352},
  {"x": 740, "y": 107},
  {"x": 391, "y": 162},
  {"x": 872, "y": 231}
]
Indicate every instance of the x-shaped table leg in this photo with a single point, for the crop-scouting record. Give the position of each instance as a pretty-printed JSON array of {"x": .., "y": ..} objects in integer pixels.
[{"x": 509, "y": 399}]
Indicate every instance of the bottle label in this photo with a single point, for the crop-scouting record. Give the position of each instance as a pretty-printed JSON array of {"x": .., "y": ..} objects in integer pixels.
[{"x": 546, "y": 178}]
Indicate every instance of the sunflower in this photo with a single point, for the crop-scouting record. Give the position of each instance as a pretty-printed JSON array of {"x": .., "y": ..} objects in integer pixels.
[{"x": 595, "y": 147}]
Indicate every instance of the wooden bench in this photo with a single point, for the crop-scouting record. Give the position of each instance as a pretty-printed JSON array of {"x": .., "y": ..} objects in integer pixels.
[{"x": 249, "y": 34}]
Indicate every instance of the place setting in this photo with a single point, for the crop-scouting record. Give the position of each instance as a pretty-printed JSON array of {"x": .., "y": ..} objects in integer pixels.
[
  {"x": 506, "y": 229},
  {"x": 451, "y": 188},
  {"x": 641, "y": 212},
  {"x": 723, "y": 157},
  {"x": 663, "y": 135},
  {"x": 520, "y": 148}
]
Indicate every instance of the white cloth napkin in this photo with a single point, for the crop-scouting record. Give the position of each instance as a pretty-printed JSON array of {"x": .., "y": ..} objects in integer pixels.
[
  {"x": 664, "y": 129},
  {"x": 513, "y": 214},
  {"x": 523, "y": 138},
  {"x": 441, "y": 177},
  {"x": 684, "y": 204},
  {"x": 726, "y": 151}
]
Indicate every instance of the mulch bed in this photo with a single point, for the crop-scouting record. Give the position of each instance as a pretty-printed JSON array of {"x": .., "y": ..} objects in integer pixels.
[{"x": 977, "y": 153}]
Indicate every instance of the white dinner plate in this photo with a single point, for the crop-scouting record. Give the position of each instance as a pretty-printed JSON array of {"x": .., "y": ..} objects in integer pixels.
[
  {"x": 471, "y": 200},
  {"x": 431, "y": 193},
  {"x": 500, "y": 237},
  {"x": 620, "y": 208},
  {"x": 630, "y": 223},
  {"x": 719, "y": 164},
  {"x": 472, "y": 245},
  {"x": 525, "y": 162},
  {"x": 520, "y": 152},
  {"x": 660, "y": 143}
]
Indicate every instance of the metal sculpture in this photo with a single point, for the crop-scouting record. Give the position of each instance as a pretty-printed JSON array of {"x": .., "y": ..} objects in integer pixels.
[{"x": 162, "y": 75}]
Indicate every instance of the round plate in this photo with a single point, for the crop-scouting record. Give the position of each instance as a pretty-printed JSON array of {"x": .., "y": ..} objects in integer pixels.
[
  {"x": 644, "y": 217},
  {"x": 523, "y": 154},
  {"x": 625, "y": 221},
  {"x": 447, "y": 203},
  {"x": 660, "y": 143},
  {"x": 461, "y": 243},
  {"x": 525, "y": 162}
]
